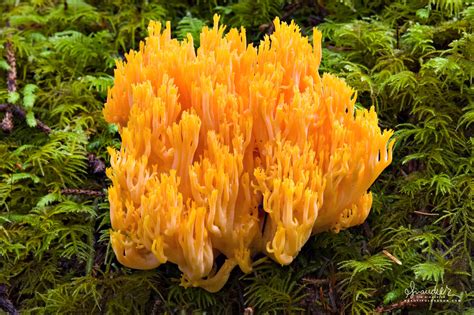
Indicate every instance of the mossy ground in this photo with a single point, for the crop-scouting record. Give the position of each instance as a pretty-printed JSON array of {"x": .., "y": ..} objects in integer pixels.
[{"x": 412, "y": 59}]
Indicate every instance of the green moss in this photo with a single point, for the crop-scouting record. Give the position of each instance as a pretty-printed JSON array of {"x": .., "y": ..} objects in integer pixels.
[{"x": 413, "y": 60}]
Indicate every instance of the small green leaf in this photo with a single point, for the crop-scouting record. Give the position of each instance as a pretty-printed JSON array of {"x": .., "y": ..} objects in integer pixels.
[
  {"x": 19, "y": 176},
  {"x": 30, "y": 119},
  {"x": 113, "y": 128},
  {"x": 423, "y": 13},
  {"x": 391, "y": 296},
  {"x": 414, "y": 156},
  {"x": 13, "y": 97},
  {"x": 47, "y": 200},
  {"x": 28, "y": 96},
  {"x": 429, "y": 271},
  {"x": 4, "y": 65},
  {"x": 30, "y": 88},
  {"x": 29, "y": 101},
  {"x": 100, "y": 83},
  {"x": 376, "y": 263},
  {"x": 442, "y": 182},
  {"x": 190, "y": 25}
]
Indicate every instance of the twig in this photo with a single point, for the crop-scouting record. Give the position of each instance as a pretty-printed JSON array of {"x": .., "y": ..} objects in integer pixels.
[
  {"x": 391, "y": 257},
  {"x": 10, "y": 109},
  {"x": 88, "y": 192},
  {"x": 329, "y": 305},
  {"x": 335, "y": 48},
  {"x": 411, "y": 302},
  {"x": 22, "y": 114},
  {"x": 332, "y": 296},
  {"x": 323, "y": 299},
  {"x": 316, "y": 281},
  {"x": 11, "y": 60},
  {"x": 5, "y": 303},
  {"x": 426, "y": 213},
  {"x": 7, "y": 122}
]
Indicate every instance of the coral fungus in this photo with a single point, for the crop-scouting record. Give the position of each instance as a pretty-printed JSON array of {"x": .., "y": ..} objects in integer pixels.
[{"x": 233, "y": 150}]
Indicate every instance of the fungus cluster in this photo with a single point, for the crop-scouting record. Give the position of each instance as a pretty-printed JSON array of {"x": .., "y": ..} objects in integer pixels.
[{"x": 234, "y": 150}]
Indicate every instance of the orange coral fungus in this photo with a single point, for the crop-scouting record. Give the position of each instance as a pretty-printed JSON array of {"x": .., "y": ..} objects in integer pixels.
[{"x": 233, "y": 150}]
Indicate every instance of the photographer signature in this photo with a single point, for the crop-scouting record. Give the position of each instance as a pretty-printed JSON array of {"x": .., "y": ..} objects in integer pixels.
[{"x": 438, "y": 293}]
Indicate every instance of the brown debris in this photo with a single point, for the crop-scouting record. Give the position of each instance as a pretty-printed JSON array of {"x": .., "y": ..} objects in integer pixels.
[
  {"x": 391, "y": 257},
  {"x": 96, "y": 164},
  {"x": 18, "y": 111},
  {"x": 88, "y": 192},
  {"x": 7, "y": 122},
  {"x": 5, "y": 303},
  {"x": 416, "y": 300}
]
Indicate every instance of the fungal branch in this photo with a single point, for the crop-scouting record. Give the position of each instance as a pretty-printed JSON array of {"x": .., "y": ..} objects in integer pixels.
[{"x": 234, "y": 150}]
